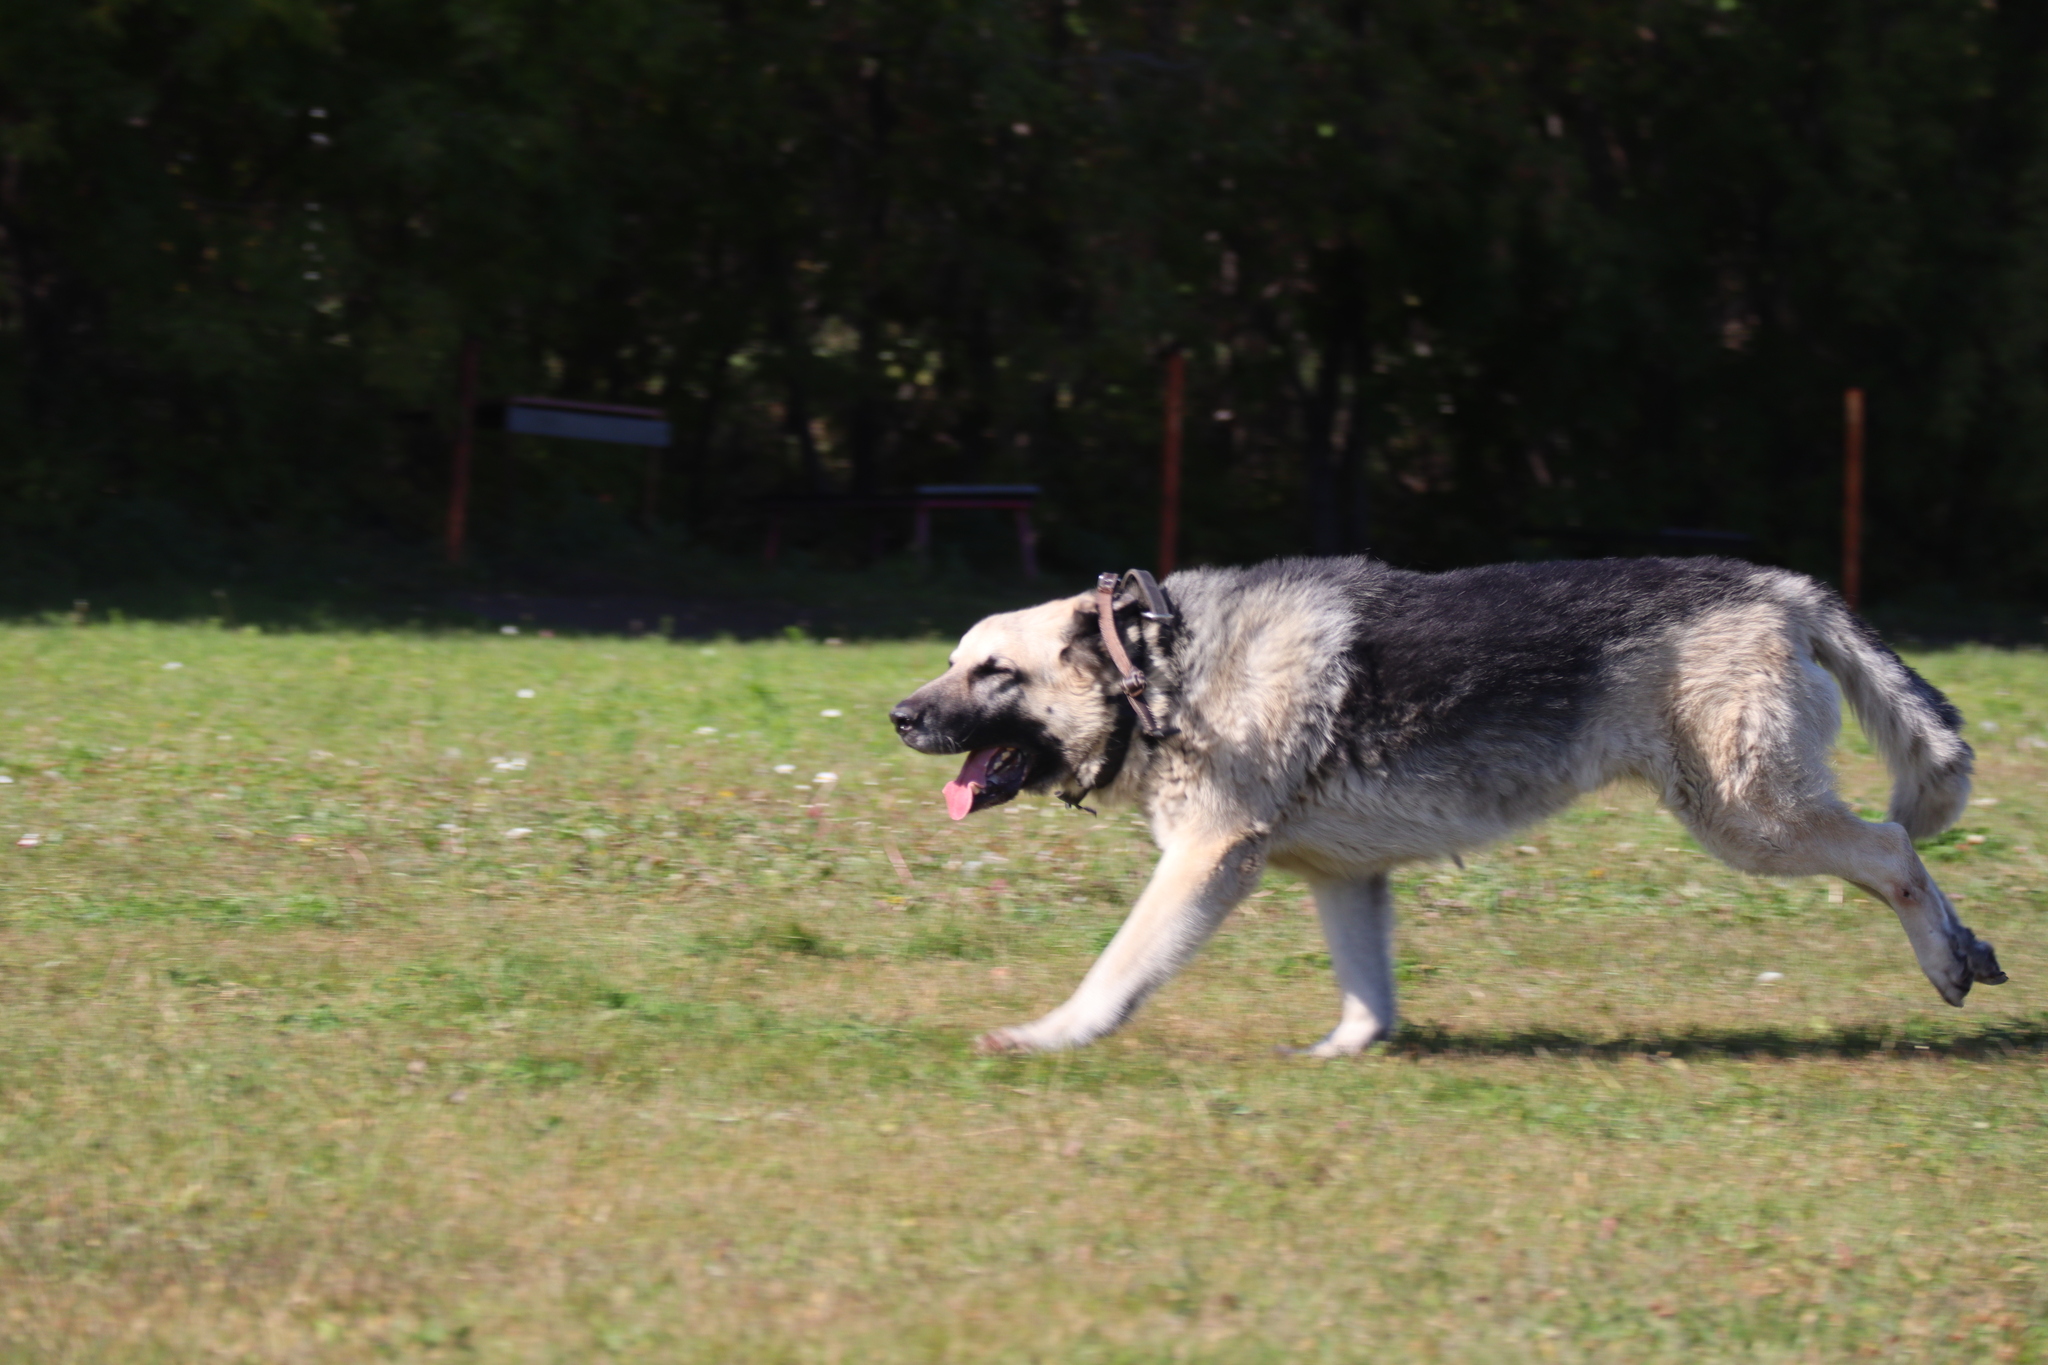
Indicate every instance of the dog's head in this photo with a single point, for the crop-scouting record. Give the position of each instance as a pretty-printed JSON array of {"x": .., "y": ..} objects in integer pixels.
[{"x": 1030, "y": 698}]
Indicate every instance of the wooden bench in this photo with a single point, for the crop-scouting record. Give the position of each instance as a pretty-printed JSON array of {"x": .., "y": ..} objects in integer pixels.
[{"x": 528, "y": 415}]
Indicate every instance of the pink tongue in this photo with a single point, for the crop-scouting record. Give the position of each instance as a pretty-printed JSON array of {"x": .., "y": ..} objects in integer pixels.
[{"x": 960, "y": 791}]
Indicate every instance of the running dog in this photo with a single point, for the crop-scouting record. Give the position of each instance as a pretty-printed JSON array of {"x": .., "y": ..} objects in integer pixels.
[{"x": 1338, "y": 718}]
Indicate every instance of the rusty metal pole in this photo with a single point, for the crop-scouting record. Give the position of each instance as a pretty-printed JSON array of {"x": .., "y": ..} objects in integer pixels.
[
  {"x": 1852, "y": 497},
  {"x": 1169, "y": 473},
  {"x": 465, "y": 440}
]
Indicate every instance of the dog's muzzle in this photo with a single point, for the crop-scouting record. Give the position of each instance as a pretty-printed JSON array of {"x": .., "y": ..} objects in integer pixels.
[
  {"x": 912, "y": 728},
  {"x": 992, "y": 774}
]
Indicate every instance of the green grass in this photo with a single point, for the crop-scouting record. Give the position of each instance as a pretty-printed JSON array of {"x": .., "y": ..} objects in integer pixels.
[{"x": 306, "y": 1056}]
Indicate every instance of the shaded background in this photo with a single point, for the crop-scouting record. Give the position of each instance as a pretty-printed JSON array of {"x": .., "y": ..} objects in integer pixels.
[{"x": 1456, "y": 281}]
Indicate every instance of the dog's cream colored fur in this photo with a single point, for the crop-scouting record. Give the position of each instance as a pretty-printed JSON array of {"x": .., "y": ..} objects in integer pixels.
[{"x": 1729, "y": 714}]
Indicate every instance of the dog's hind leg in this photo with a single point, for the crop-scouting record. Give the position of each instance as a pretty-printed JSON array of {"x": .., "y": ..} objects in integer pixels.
[
  {"x": 1358, "y": 925},
  {"x": 1195, "y": 885},
  {"x": 1752, "y": 721},
  {"x": 1829, "y": 840}
]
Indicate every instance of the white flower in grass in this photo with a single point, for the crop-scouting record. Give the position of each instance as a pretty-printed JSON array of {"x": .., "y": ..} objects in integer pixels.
[
  {"x": 1768, "y": 977},
  {"x": 785, "y": 767},
  {"x": 5, "y": 779},
  {"x": 452, "y": 829},
  {"x": 29, "y": 841},
  {"x": 509, "y": 765},
  {"x": 823, "y": 779},
  {"x": 508, "y": 630},
  {"x": 831, "y": 713},
  {"x": 524, "y": 694},
  {"x": 519, "y": 833},
  {"x": 707, "y": 729},
  {"x": 172, "y": 666}
]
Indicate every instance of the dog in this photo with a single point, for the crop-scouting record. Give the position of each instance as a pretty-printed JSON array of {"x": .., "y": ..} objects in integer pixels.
[{"x": 1338, "y": 718}]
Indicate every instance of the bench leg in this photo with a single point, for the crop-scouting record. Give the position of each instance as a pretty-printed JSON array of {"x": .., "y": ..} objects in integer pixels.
[{"x": 1027, "y": 542}]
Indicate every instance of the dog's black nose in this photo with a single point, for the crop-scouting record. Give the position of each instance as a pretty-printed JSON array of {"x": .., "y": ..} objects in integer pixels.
[{"x": 903, "y": 717}]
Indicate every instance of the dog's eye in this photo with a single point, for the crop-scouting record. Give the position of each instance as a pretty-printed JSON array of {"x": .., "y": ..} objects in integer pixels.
[{"x": 992, "y": 668}]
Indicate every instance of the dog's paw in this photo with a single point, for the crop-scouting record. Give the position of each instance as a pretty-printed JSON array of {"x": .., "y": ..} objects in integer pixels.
[
  {"x": 1002, "y": 1041},
  {"x": 1983, "y": 962},
  {"x": 1953, "y": 983},
  {"x": 1972, "y": 960},
  {"x": 1335, "y": 1047}
]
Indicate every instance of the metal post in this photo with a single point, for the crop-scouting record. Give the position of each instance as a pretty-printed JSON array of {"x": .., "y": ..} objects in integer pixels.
[
  {"x": 1852, "y": 497},
  {"x": 1169, "y": 473},
  {"x": 465, "y": 440}
]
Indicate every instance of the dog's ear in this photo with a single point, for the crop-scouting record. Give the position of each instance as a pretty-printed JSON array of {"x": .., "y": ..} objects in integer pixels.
[
  {"x": 1081, "y": 641},
  {"x": 1081, "y": 621}
]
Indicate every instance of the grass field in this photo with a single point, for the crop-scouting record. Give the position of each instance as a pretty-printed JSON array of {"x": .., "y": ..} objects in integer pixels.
[{"x": 512, "y": 999}]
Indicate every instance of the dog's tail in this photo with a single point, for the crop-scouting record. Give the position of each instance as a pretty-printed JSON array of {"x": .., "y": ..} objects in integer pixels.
[{"x": 1915, "y": 727}]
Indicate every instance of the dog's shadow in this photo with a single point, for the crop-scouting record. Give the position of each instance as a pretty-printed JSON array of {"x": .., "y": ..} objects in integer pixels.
[{"x": 1992, "y": 1040}]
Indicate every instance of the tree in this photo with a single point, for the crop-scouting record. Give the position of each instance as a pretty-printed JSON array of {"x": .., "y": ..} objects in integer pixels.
[{"x": 1456, "y": 281}]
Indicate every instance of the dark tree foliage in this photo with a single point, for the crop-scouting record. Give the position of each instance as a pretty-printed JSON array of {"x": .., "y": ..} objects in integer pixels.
[{"x": 1457, "y": 279}]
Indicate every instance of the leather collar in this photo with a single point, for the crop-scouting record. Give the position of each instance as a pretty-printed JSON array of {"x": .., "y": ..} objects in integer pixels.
[{"x": 1133, "y": 679}]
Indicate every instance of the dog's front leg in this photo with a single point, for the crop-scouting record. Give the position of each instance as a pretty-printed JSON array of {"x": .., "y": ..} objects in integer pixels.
[
  {"x": 1197, "y": 882},
  {"x": 1358, "y": 924}
]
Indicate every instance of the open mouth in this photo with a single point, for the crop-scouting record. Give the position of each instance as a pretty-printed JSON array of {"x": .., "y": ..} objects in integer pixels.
[{"x": 989, "y": 777}]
